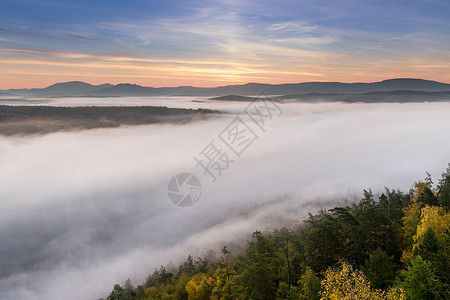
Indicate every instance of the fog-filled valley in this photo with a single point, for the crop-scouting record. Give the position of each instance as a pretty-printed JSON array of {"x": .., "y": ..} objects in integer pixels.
[{"x": 84, "y": 209}]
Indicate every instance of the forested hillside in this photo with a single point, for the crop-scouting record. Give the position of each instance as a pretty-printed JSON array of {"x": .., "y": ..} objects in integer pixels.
[
  {"x": 394, "y": 246},
  {"x": 25, "y": 120}
]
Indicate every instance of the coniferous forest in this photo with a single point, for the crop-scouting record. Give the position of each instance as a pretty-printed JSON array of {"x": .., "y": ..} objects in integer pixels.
[{"x": 392, "y": 246}]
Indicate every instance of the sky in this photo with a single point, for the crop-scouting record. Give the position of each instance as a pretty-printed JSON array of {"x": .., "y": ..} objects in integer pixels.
[{"x": 213, "y": 43}]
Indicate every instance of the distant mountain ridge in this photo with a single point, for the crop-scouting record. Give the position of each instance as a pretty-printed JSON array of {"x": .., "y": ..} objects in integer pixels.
[
  {"x": 75, "y": 87},
  {"x": 71, "y": 88},
  {"x": 397, "y": 96},
  {"x": 79, "y": 88}
]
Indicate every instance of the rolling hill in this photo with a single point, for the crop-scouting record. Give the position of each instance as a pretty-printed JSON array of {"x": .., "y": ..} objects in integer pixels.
[{"x": 78, "y": 88}]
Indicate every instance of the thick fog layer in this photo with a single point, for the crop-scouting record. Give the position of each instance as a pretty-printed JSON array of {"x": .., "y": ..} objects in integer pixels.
[{"x": 81, "y": 211}]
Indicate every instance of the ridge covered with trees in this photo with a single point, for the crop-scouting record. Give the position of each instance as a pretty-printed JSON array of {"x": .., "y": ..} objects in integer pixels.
[
  {"x": 25, "y": 120},
  {"x": 394, "y": 246}
]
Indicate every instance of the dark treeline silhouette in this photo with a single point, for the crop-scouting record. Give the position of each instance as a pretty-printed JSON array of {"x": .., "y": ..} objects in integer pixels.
[
  {"x": 403, "y": 96},
  {"x": 44, "y": 119}
]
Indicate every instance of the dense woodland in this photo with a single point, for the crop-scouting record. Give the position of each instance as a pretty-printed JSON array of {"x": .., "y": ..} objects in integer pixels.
[
  {"x": 394, "y": 246},
  {"x": 399, "y": 96},
  {"x": 23, "y": 120}
]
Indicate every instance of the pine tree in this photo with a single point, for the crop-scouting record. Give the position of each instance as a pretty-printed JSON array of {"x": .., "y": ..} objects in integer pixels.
[
  {"x": 380, "y": 269},
  {"x": 260, "y": 268},
  {"x": 420, "y": 281},
  {"x": 309, "y": 285}
]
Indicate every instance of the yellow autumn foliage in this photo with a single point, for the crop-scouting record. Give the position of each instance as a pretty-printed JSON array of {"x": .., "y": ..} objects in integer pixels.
[
  {"x": 198, "y": 287},
  {"x": 435, "y": 218},
  {"x": 348, "y": 283}
]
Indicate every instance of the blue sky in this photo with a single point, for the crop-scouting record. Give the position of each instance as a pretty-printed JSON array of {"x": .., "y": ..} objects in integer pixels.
[{"x": 210, "y": 43}]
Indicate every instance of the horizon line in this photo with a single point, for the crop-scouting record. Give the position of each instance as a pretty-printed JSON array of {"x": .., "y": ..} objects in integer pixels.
[{"x": 218, "y": 86}]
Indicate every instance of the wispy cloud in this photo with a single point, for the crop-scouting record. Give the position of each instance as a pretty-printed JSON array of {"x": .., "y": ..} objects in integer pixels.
[
  {"x": 331, "y": 40},
  {"x": 384, "y": 42},
  {"x": 291, "y": 27},
  {"x": 53, "y": 34}
]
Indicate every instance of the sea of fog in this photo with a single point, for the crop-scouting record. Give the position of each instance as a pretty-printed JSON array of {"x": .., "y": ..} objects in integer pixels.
[
  {"x": 80, "y": 211},
  {"x": 169, "y": 101}
]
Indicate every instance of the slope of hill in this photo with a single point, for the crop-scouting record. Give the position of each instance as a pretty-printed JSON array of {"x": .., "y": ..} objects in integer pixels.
[
  {"x": 72, "y": 88},
  {"x": 124, "y": 89},
  {"x": 24, "y": 120},
  {"x": 400, "y": 96},
  {"x": 233, "y": 98},
  {"x": 377, "y": 248}
]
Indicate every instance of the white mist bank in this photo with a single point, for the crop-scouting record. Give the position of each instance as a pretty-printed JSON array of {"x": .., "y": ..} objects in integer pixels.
[{"x": 81, "y": 211}]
